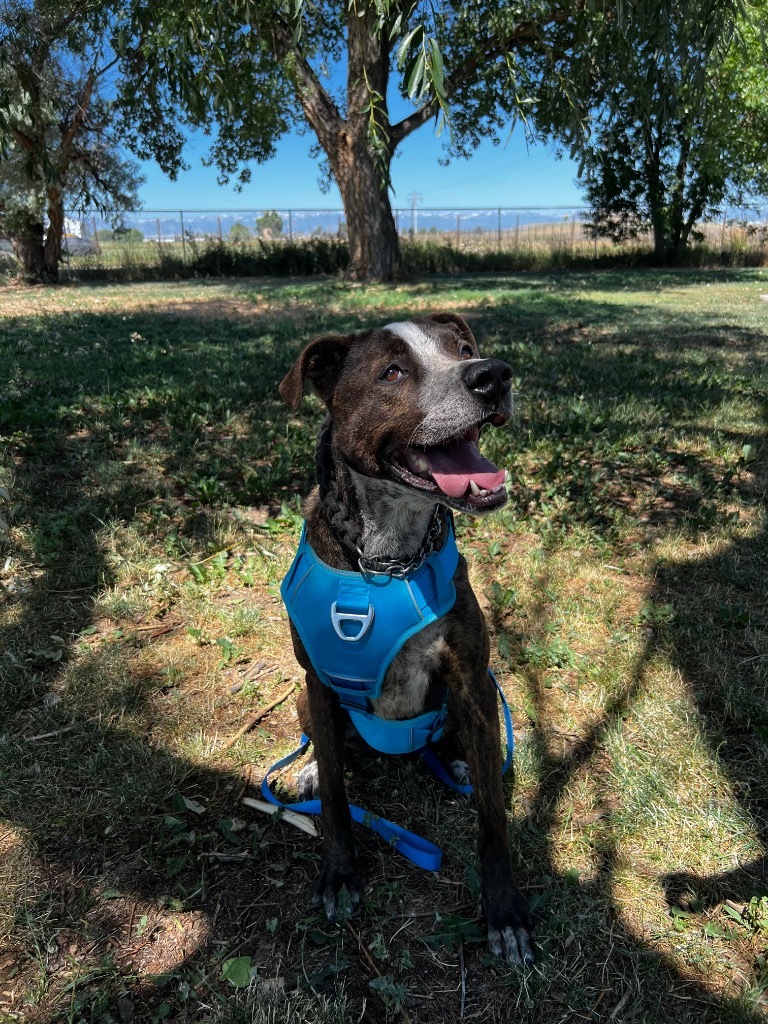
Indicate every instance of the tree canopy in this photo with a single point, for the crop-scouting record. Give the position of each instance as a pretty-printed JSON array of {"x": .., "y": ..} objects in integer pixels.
[
  {"x": 675, "y": 121},
  {"x": 58, "y": 141}
]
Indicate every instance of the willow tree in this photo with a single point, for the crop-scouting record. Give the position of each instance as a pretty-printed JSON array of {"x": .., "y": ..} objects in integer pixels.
[
  {"x": 58, "y": 143},
  {"x": 250, "y": 70},
  {"x": 675, "y": 120}
]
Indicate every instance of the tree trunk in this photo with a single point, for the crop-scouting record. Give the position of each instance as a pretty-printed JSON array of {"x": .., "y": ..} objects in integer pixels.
[
  {"x": 365, "y": 151},
  {"x": 55, "y": 236},
  {"x": 28, "y": 245},
  {"x": 374, "y": 248},
  {"x": 677, "y": 205},
  {"x": 359, "y": 147},
  {"x": 655, "y": 196}
]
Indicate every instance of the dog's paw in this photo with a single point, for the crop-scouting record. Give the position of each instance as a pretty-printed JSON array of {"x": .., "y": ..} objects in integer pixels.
[
  {"x": 459, "y": 772},
  {"x": 307, "y": 782},
  {"x": 339, "y": 890},
  {"x": 513, "y": 944},
  {"x": 509, "y": 934}
]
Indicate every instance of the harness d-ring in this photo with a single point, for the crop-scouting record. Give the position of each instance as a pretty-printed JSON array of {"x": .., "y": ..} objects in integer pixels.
[{"x": 365, "y": 619}]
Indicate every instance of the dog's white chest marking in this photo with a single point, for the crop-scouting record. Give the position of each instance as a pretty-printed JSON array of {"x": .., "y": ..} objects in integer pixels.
[
  {"x": 395, "y": 521},
  {"x": 405, "y": 686}
]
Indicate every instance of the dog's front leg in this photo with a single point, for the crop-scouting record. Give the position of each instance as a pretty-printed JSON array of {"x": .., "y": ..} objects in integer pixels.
[
  {"x": 339, "y": 863},
  {"x": 506, "y": 911}
]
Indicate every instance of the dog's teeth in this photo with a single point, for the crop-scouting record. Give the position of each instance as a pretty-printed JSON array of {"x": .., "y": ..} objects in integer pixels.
[
  {"x": 474, "y": 488},
  {"x": 420, "y": 464}
]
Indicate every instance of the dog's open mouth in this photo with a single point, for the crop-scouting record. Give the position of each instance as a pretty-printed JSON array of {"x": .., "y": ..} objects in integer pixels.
[{"x": 455, "y": 470}]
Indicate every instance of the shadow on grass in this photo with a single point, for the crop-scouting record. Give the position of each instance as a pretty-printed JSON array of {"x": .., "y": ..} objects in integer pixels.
[{"x": 152, "y": 419}]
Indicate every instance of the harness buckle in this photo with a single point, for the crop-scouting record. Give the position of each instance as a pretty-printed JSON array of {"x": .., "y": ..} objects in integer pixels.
[{"x": 365, "y": 619}]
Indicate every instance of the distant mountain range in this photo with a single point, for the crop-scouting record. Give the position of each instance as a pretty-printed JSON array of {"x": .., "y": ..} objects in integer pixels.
[{"x": 167, "y": 225}]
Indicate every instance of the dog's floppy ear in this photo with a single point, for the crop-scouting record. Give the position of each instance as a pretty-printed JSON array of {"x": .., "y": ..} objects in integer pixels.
[
  {"x": 321, "y": 361},
  {"x": 456, "y": 321}
]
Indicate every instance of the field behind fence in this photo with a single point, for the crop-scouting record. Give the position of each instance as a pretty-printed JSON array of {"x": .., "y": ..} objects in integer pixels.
[{"x": 197, "y": 239}]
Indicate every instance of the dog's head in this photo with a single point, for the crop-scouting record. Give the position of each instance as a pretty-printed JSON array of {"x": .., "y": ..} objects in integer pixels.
[{"x": 408, "y": 402}]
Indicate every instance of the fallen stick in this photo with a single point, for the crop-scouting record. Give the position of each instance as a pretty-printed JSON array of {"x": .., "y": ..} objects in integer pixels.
[
  {"x": 289, "y": 817},
  {"x": 50, "y": 735},
  {"x": 257, "y": 717}
]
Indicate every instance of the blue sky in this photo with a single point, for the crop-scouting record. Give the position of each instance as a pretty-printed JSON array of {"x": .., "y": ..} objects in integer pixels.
[{"x": 513, "y": 174}]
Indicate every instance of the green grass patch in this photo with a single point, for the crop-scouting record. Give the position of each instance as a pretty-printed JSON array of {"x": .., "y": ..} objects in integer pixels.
[{"x": 150, "y": 493}]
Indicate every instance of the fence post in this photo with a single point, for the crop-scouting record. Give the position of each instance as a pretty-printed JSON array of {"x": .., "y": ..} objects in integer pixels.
[
  {"x": 458, "y": 230},
  {"x": 517, "y": 229},
  {"x": 725, "y": 224},
  {"x": 290, "y": 225},
  {"x": 498, "y": 229},
  {"x": 573, "y": 233},
  {"x": 183, "y": 242},
  {"x": 96, "y": 236}
]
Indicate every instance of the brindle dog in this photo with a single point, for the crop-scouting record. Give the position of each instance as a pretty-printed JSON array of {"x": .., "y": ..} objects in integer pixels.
[{"x": 406, "y": 404}]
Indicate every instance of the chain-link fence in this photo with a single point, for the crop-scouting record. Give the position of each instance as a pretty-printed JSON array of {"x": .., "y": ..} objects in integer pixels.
[{"x": 153, "y": 238}]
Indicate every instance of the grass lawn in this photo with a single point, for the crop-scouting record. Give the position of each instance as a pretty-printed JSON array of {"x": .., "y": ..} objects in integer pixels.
[{"x": 150, "y": 484}]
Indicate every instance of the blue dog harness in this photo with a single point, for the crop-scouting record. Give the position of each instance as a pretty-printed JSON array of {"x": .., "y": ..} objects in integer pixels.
[{"x": 352, "y": 626}]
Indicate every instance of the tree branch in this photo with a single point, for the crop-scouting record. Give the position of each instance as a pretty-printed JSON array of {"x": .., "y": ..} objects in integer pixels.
[
  {"x": 487, "y": 51},
  {"x": 319, "y": 109},
  {"x": 23, "y": 139},
  {"x": 79, "y": 115}
]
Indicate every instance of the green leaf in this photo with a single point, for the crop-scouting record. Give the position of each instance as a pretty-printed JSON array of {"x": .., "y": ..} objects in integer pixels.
[
  {"x": 733, "y": 914},
  {"x": 237, "y": 971},
  {"x": 455, "y": 929},
  {"x": 438, "y": 71},
  {"x": 414, "y": 85},
  {"x": 415, "y": 35},
  {"x": 193, "y": 805}
]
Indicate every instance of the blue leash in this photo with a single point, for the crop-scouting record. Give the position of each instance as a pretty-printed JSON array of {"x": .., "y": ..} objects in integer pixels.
[{"x": 418, "y": 851}]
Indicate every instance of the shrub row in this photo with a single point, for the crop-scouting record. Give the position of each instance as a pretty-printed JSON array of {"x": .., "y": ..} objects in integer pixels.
[{"x": 214, "y": 258}]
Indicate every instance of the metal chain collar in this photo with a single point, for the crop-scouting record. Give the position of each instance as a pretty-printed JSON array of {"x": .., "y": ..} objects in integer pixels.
[{"x": 399, "y": 569}]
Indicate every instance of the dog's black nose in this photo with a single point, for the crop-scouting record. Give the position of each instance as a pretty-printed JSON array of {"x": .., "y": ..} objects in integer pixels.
[{"x": 488, "y": 378}]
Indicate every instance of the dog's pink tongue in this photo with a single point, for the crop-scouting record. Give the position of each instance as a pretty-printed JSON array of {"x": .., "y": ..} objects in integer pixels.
[{"x": 453, "y": 468}]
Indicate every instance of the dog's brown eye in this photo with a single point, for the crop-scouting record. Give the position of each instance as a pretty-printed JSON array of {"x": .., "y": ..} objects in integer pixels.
[
  {"x": 392, "y": 373},
  {"x": 466, "y": 352}
]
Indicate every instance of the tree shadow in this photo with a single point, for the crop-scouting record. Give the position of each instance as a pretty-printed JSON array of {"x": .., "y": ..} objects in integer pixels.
[{"x": 713, "y": 632}]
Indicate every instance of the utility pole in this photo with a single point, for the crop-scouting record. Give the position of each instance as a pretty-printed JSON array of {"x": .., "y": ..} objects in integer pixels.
[{"x": 414, "y": 198}]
